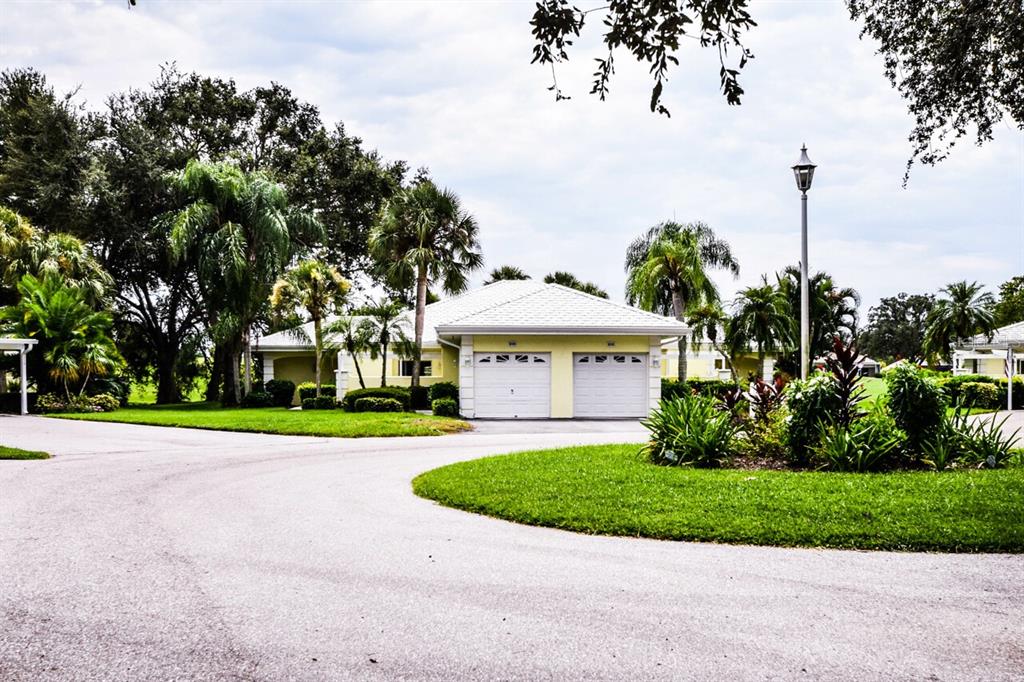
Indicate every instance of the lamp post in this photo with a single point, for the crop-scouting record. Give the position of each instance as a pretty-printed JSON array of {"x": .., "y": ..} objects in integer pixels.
[{"x": 804, "y": 173}]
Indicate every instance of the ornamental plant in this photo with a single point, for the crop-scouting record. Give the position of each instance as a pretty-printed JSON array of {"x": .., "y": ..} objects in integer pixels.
[{"x": 690, "y": 432}]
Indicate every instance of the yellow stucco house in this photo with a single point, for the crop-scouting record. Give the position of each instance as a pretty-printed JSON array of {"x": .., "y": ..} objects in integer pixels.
[{"x": 522, "y": 350}]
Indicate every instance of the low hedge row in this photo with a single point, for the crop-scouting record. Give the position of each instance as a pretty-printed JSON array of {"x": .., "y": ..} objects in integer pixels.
[
  {"x": 307, "y": 389},
  {"x": 969, "y": 388},
  {"x": 50, "y": 403},
  {"x": 399, "y": 393},
  {"x": 445, "y": 407},
  {"x": 324, "y": 402},
  {"x": 370, "y": 404}
]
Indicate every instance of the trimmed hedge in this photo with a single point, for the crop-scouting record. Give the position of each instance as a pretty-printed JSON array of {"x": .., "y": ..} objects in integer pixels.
[
  {"x": 324, "y": 402},
  {"x": 672, "y": 389},
  {"x": 307, "y": 389},
  {"x": 399, "y": 393},
  {"x": 445, "y": 407},
  {"x": 419, "y": 397},
  {"x": 257, "y": 399},
  {"x": 378, "y": 405},
  {"x": 281, "y": 392},
  {"x": 954, "y": 388},
  {"x": 444, "y": 389},
  {"x": 980, "y": 394}
]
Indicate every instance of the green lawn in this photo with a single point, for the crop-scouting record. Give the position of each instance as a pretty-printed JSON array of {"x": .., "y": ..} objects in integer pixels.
[
  {"x": 874, "y": 388},
  {"x": 280, "y": 420},
  {"x": 18, "y": 453},
  {"x": 608, "y": 489}
]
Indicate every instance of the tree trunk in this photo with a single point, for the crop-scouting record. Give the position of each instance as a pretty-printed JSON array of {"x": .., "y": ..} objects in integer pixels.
[
  {"x": 167, "y": 390},
  {"x": 236, "y": 384},
  {"x": 318, "y": 344},
  {"x": 384, "y": 364},
  {"x": 421, "y": 304},
  {"x": 760, "y": 364},
  {"x": 728, "y": 362},
  {"x": 216, "y": 374},
  {"x": 247, "y": 357},
  {"x": 359, "y": 372},
  {"x": 677, "y": 311}
]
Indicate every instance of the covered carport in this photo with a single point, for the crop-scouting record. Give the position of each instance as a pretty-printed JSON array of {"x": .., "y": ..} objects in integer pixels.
[{"x": 21, "y": 347}]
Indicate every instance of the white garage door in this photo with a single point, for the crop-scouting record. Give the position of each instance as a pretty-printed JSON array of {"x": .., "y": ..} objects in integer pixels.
[
  {"x": 512, "y": 385},
  {"x": 610, "y": 385}
]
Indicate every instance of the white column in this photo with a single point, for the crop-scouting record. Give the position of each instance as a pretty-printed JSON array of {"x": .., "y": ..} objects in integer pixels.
[
  {"x": 268, "y": 368},
  {"x": 1009, "y": 377},
  {"x": 654, "y": 361},
  {"x": 769, "y": 368},
  {"x": 24, "y": 380},
  {"x": 341, "y": 377},
  {"x": 466, "y": 403}
]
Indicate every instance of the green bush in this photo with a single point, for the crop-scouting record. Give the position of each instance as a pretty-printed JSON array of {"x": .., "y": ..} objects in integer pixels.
[
  {"x": 864, "y": 446},
  {"x": 50, "y": 403},
  {"x": 324, "y": 402},
  {"x": 953, "y": 386},
  {"x": 812, "y": 403},
  {"x": 445, "y": 407},
  {"x": 257, "y": 399},
  {"x": 691, "y": 432},
  {"x": 987, "y": 443},
  {"x": 712, "y": 388},
  {"x": 1018, "y": 393},
  {"x": 378, "y": 405},
  {"x": 981, "y": 395},
  {"x": 444, "y": 389},
  {"x": 916, "y": 403},
  {"x": 399, "y": 393},
  {"x": 419, "y": 397},
  {"x": 117, "y": 386},
  {"x": 281, "y": 391},
  {"x": 104, "y": 402},
  {"x": 307, "y": 389},
  {"x": 767, "y": 438}
]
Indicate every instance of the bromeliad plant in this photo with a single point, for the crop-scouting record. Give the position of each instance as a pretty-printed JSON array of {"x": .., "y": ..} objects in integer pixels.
[{"x": 691, "y": 432}]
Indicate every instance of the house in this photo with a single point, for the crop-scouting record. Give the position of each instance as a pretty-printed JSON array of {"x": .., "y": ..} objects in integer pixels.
[
  {"x": 517, "y": 349},
  {"x": 987, "y": 355}
]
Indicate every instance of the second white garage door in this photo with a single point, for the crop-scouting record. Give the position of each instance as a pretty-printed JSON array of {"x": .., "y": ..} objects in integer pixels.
[
  {"x": 512, "y": 385},
  {"x": 610, "y": 385}
]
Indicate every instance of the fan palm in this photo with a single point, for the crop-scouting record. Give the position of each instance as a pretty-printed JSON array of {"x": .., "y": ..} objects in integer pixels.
[
  {"x": 317, "y": 289},
  {"x": 424, "y": 236},
  {"x": 384, "y": 320},
  {"x": 506, "y": 272},
  {"x": 668, "y": 271},
  {"x": 762, "y": 319},
  {"x": 239, "y": 232},
  {"x": 567, "y": 279},
  {"x": 961, "y": 311},
  {"x": 355, "y": 336}
]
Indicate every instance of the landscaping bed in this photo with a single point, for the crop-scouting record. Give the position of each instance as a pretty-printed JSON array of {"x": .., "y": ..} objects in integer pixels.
[
  {"x": 280, "y": 420},
  {"x": 613, "y": 490}
]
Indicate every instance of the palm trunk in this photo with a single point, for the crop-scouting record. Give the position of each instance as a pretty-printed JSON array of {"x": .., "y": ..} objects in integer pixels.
[
  {"x": 677, "y": 311},
  {"x": 384, "y": 364},
  {"x": 213, "y": 388},
  {"x": 760, "y": 364},
  {"x": 359, "y": 372},
  {"x": 421, "y": 304},
  {"x": 728, "y": 361},
  {"x": 247, "y": 357},
  {"x": 318, "y": 342}
]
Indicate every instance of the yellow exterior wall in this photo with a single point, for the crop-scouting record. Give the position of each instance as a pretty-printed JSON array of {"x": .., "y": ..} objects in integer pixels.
[
  {"x": 561, "y": 349},
  {"x": 298, "y": 368},
  {"x": 703, "y": 367}
]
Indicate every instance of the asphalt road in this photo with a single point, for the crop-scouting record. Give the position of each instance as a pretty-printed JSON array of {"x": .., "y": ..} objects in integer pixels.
[{"x": 143, "y": 553}]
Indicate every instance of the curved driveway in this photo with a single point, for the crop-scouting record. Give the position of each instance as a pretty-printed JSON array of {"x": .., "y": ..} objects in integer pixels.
[{"x": 144, "y": 553}]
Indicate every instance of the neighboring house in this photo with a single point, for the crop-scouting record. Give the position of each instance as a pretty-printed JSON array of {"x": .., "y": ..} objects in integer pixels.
[
  {"x": 987, "y": 355},
  {"x": 517, "y": 349},
  {"x": 868, "y": 366},
  {"x": 704, "y": 362}
]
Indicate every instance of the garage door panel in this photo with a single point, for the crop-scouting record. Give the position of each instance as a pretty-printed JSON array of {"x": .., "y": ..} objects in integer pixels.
[
  {"x": 512, "y": 385},
  {"x": 610, "y": 385}
]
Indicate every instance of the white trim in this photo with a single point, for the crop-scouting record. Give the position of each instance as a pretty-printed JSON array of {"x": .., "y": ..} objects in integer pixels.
[{"x": 528, "y": 330}]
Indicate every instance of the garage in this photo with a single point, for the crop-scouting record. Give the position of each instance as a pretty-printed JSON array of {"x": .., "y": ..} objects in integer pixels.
[
  {"x": 610, "y": 385},
  {"x": 512, "y": 385}
]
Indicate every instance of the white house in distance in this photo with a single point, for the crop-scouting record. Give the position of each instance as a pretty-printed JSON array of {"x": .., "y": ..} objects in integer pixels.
[
  {"x": 984, "y": 355},
  {"x": 521, "y": 349}
]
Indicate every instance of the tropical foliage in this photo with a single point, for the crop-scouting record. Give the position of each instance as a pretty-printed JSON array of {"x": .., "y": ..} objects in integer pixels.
[
  {"x": 762, "y": 321},
  {"x": 506, "y": 272},
  {"x": 962, "y": 310},
  {"x": 567, "y": 279}
]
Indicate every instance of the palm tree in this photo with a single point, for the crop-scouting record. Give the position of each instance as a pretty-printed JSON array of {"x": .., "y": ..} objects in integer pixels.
[
  {"x": 384, "y": 321},
  {"x": 74, "y": 338},
  {"x": 708, "y": 321},
  {"x": 316, "y": 288},
  {"x": 761, "y": 319},
  {"x": 961, "y": 311},
  {"x": 833, "y": 310},
  {"x": 240, "y": 232},
  {"x": 567, "y": 279},
  {"x": 668, "y": 271},
  {"x": 424, "y": 236},
  {"x": 355, "y": 336},
  {"x": 506, "y": 272}
]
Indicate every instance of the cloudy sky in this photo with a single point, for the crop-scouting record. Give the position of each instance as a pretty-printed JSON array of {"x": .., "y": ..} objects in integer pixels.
[{"x": 567, "y": 185}]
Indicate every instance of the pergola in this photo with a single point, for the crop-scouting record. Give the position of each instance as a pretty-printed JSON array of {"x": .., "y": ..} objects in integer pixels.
[{"x": 21, "y": 347}]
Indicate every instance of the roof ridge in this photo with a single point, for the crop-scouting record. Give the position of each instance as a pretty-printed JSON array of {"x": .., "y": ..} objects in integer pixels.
[
  {"x": 625, "y": 306},
  {"x": 532, "y": 292}
]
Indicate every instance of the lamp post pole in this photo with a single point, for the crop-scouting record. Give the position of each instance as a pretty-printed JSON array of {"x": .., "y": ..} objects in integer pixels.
[{"x": 805, "y": 295}]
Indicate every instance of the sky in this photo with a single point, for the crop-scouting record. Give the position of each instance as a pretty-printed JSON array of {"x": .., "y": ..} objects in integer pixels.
[{"x": 567, "y": 185}]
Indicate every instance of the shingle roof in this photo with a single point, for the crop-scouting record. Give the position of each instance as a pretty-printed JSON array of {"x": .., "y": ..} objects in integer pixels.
[
  {"x": 523, "y": 306},
  {"x": 1011, "y": 333}
]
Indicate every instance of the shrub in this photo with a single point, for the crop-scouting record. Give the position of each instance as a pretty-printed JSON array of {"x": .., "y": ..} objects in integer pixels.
[
  {"x": 767, "y": 438},
  {"x": 982, "y": 395},
  {"x": 689, "y": 431},
  {"x": 953, "y": 386},
  {"x": 104, "y": 402},
  {"x": 764, "y": 399},
  {"x": 811, "y": 403},
  {"x": 916, "y": 403},
  {"x": 257, "y": 399},
  {"x": 869, "y": 444},
  {"x": 986, "y": 443},
  {"x": 1018, "y": 392},
  {"x": 399, "y": 393},
  {"x": 370, "y": 404},
  {"x": 444, "y": 389},
  {"x": 419, "y": 397},
  {"x": 445, "y": 407},
  {"x": 281, "y": 391},
  {"x": 117, "y": 386},
  {"x": 50, "y": 403},
  {"x": 307, "y": 389},
  {"x": 324, "y": 402},
  {"x": 713, "y": 388}
]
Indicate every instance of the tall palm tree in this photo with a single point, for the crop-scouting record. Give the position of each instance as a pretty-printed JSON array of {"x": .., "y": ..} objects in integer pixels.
[
  {"x": 668, "y": 270},
  {"x": 761, "y": 319},
  {"x": 424, "y": 237},
  {"x": 506, "y": 272},
  {"x": 317, "y": 289},
  {"x": 709, "y": 322},
  {"x": 961, "y": 311},
  {"x": 384, "y": 321},
  {"x": 240, "y": 233},
  {"x": 567, "y": 279},
  {"x": 355, "y": 336},
  {"x": 833, "y": 310}
]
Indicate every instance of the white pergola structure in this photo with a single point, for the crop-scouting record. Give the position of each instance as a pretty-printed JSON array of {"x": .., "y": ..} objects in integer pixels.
[{"x": 21, "y": 347}]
